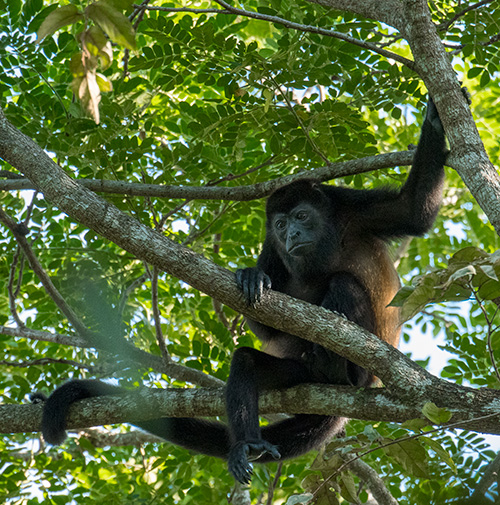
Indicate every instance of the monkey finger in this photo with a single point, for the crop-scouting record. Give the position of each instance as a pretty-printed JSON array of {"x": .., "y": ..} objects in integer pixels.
[
  {"x": 239, "y": 278},
  {"x": 267, "y": 282},
  {"x": 244, "y": 475}
]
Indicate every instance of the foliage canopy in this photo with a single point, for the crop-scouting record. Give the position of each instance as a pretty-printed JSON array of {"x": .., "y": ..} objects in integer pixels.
[{"x": 206, "y": 96}]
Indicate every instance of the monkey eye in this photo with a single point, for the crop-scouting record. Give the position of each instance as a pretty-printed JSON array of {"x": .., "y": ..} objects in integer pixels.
[
  {"x": 302, "y": 215},
  {"x": 280, "y": 224}
]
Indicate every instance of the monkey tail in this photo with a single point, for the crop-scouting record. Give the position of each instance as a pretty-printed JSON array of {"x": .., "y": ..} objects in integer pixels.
[
  {"x": 207, "y": 437},
  {"x": 300, "y": 434}
]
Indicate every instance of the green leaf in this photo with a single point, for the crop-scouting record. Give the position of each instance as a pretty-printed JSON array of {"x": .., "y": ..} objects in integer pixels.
[
  {"x": 401, "y": 296},
  {"x": 113, "y": 22},
  {"x": 120, "y": 5},
  {"x": 63, "y": 16},
  {"x": 415, "y": 424},
  {"x": 347, "y": 487},
  {"x": 299, "y": 499},
  {"x": 436, "y": 414},
  {"x": 411, "y": 455},
  {"x": 474, "y": 72},
  {"x": 440, "y": 451}
]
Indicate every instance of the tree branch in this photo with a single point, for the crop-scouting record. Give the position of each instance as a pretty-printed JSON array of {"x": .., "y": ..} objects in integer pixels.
[
  {"x": 389, "y": 12},
  {"x": 44, "y": 361},
  {"x": 489, "y": 476},
  {"x": 458, "y": 15},
  {"x": 467, "y": 150},
  {"x": 45, "y": 336},
  {"x": 432, "y": 63},
  {"x": 239, "y": 193},
  {"x": 473, "y": 411},
  {"x": 310, "y": 322},
  {"x": 372, "y": 480}
]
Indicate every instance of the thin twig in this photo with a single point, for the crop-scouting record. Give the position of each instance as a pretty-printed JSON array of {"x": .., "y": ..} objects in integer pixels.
[
  {"x": 315, "y": 148},
  {"x": 128, "y": 290},
  {"x": 20, "y": 236},
  {"x": 273, "y": 484},
  {"x": 44, "y": 361},
  {"x": 186, "y": 9},
  {"x": 458, "y": 424},
  {"x": 445, "y": 25},
  {"x": 193, "y": 236},
  {"x": 160, "y": 339},
  {"x": 491, "y": 331},
  {"x": 10, "y": 285}
]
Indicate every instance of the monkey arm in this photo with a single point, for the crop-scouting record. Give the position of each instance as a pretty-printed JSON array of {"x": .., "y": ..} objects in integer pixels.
[{"x": 412, "y": 211}]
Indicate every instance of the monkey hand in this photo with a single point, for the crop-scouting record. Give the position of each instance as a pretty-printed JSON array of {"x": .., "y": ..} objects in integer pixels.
[
  {"x": 433, "y": 117},
  {"x": 252, "y": 282},
  {"x": 243, "y": 452}
]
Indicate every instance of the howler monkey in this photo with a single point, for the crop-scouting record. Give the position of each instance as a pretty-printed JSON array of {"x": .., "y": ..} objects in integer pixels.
[{"x": 325, "y": 245}]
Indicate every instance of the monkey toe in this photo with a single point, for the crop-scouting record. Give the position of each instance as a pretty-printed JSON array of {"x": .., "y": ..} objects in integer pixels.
[{"x": 243, "y": 452}]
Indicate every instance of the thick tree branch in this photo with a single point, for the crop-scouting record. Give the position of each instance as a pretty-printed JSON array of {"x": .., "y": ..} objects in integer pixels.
[
  {"x": 389, "y": 12},
  {"x": 368, "y": 404},
  {"x": 434, "y": 67}
]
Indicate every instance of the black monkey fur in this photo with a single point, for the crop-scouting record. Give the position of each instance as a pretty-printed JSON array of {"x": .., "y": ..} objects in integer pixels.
[{"x": 325, "y": 245}]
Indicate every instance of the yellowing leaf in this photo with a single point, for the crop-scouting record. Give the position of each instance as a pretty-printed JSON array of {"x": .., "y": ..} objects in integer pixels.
[
  {"x": 113, "y": 22},
  {"x": 66, "y": 15},
  {"x": 76, "y": 65},
  {"x": 103, "y": 82},
  {"x": 97, "y": 44},
  {"x": 94, "y": 96},
  {"x": 89, "y": 94}
]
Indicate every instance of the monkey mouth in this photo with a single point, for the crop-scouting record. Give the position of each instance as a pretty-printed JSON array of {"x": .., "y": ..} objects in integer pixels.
[{"x": 299, "y": 249}]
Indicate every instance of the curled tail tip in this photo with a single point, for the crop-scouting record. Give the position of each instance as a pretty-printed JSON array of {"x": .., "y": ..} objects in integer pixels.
[
  {"x": 54, "y": 437},
  {"x": 53, "y": 429}
]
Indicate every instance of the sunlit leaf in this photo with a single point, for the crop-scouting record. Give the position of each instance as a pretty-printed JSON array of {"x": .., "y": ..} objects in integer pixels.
[
  {"x": 113, "y": 23},
  {"x": 63, "y": 16}
]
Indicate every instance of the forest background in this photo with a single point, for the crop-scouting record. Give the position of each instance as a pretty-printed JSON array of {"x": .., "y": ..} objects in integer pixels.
[{"x": 137, "y": 145}]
